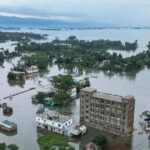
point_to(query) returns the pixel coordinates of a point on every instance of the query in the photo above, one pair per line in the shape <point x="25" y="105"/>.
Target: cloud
<point x="119" y="12"/>
<point x="65" y="18"/>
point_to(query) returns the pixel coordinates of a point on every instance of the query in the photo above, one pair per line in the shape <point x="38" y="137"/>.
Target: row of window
<point x="98" y="113"/>
<point x="109" y="126"/>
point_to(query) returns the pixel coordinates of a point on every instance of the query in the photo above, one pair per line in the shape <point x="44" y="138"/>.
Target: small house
<point x="8" y="126"/>
<point x="32" y="69"/>
<point x="7" y="110"/>
<point x="53" y="121"/>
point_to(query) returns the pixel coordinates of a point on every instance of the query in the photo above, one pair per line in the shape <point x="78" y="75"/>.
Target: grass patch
<point x="49" y="141"/>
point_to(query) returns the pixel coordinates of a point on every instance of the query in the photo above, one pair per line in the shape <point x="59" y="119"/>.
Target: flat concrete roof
<point x="110" y="97"/>
<point x="106" y="96"/>
<point x="88" y="89"/>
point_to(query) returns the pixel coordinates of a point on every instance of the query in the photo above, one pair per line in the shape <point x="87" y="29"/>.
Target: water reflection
<point x="18" y="83"/>
<point x="11" y="134"/>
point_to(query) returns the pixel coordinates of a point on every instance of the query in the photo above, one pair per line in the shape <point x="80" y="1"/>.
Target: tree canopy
<point x="101" y="141"/>
<point x="62" y="82"/>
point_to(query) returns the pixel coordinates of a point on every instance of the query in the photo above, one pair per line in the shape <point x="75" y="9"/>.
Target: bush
<point x="101" y="141"/>
<point x="49" y="140"/>
<point x="40" y="97"/>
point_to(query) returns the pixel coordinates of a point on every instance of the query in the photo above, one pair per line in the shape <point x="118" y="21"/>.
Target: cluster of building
<point x="102" y="111"/>
<point x="62" y="124"/>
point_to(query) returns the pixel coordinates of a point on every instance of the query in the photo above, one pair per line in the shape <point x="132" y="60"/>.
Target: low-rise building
<point x="53" y="121"/>
<point x="8" y="126"/>
<point x="108" y="112"/>
<point x="32" y="69"/>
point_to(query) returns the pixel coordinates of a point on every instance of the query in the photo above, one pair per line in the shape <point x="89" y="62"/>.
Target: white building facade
<point x="54" y="122"/>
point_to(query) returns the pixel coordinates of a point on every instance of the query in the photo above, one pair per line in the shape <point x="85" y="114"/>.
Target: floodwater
<point x="25" y="112"/>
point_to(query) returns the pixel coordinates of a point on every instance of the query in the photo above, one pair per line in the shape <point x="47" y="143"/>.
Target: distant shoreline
<point x="70" y="28"/>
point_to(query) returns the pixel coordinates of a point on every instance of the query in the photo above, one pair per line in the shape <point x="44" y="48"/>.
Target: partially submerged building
<point x="7" y="110"/>
<point x="53" y="121"/>
<point x="8" y="126"/>
<point x="108" y="112"/>
<point x="32" y="69"/>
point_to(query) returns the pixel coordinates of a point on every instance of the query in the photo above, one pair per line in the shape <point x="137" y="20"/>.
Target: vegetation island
<point x="82" y="54"/>
<point x="19" y="36"/>
<point x="3" y="146"/>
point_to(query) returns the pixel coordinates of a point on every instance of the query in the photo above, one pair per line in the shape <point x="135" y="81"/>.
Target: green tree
<point x="12" y="147"/>
<point x="40" y="97"/>
<point x="87" y="82"/>
<point x="40" y="60"/>
<point x="62" y="97"/>
<point x="2" y="146"/>
<point x="62" y="82"/>
<point x="101" y="141"/>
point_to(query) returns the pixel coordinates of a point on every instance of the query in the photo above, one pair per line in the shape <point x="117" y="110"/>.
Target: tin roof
<point x="7" y="124"/>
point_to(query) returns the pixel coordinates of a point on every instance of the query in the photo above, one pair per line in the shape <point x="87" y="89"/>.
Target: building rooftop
<point x="107" y="96"/>
<point x="88" y="89"/>
<point x="55" y="116"/>
<point x="111" y="97"/>
<point x="7" y="124"/>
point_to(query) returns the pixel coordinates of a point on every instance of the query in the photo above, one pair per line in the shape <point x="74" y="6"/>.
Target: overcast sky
<point x="115" y="12"/>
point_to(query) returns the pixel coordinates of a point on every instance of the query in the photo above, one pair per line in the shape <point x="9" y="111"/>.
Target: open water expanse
<point x="25" y="112"/>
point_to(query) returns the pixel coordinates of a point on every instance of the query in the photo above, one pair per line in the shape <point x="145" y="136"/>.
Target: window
<point x="102" y="101"/>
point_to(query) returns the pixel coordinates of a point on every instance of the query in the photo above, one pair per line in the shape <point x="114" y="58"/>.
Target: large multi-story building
<point x="103" y="111"/>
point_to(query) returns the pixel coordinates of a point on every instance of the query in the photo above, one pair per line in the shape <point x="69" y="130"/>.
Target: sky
<point x="113" y="12"/>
